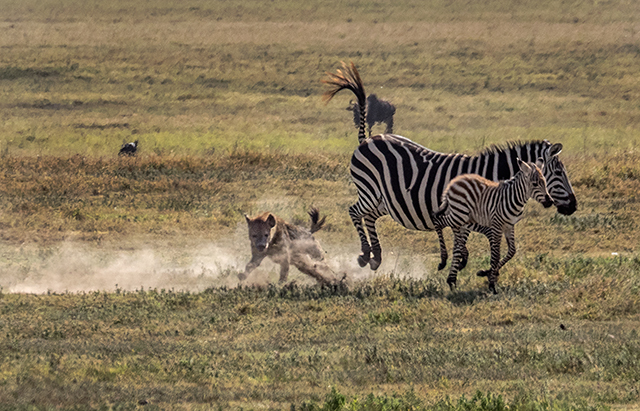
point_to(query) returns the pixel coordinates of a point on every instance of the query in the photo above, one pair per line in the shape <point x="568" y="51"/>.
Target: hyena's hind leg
<point x="317" y="269"/>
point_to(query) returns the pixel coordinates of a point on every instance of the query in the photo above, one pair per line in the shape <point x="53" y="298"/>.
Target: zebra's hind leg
<point x="356" y="217"/>
<point x="370" y="223"/>
<point x="458" y="245"/>
<point x="464" y="251"/>
<point x="443" y="250"/>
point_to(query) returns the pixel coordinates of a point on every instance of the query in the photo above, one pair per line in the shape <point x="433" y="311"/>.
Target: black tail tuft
<point x="348" y="78"/>
<point x="316" y="222"/>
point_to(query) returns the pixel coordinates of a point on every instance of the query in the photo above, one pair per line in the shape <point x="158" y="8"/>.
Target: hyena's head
<point x="260" y="230"/>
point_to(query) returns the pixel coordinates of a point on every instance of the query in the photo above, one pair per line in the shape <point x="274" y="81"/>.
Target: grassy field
<point x="118" y="276"/>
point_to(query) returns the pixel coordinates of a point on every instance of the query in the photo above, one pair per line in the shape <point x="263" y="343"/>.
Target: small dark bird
<point x="128" y="149"/>
<point x="562" y="327"/>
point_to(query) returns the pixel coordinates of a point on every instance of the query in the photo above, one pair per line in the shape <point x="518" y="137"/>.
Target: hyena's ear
<point x="271" y="220"/>
<point x="246" y="217"/>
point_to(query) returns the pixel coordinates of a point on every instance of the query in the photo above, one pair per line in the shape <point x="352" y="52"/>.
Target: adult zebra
<point x="398" y="177"/>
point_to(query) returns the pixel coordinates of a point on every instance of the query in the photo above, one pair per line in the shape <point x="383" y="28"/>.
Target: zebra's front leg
<point x="511" y="244"/>
<point x="356" y="218"/>
<point x="486" y="231"/>
<point x="494" y="241"/>
<point x="370" y="223"/>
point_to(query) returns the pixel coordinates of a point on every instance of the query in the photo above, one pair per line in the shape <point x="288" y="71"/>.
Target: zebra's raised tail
<point x="348" y="78"/>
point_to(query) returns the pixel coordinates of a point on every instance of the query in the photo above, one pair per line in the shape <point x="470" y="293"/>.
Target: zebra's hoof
<point x="452" y="283"/>
<point x="242" y="276"/>
<point x="442" y="265"/>
<point x="483" y="273"/>
<point x="363" y="260"/>
<point x="463" y="263"/>
<point x="374" y="264"/>
<point x="492" y="288"/>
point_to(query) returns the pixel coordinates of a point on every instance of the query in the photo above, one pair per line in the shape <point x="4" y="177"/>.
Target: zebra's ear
<point x="524" y="167"/>
<point x="540" y="163"/>
<point x="555" y="149"/>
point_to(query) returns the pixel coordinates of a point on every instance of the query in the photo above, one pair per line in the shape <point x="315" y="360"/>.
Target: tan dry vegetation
<point x="225" y="100"/>
<point x="497" y="38"/>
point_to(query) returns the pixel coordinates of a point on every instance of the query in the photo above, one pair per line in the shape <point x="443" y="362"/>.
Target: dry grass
<point x="224" y="98"/>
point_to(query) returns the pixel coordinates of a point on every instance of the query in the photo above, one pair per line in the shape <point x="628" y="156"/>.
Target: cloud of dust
<point x="178" y="264"/>
<point x="184" y="264"/>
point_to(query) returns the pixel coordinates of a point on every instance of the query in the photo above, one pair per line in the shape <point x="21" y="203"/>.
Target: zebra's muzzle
<point x="570" y="207"/>
<point x="547" y="202"/>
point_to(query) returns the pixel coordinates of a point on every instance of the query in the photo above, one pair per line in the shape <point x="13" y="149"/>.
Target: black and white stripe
<point x="472" y="199"/>
<point x="398" y="177"/>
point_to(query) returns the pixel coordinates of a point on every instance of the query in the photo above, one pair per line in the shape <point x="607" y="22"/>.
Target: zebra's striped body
<point x="472" y="199"/>
<point x="398" y="177"/>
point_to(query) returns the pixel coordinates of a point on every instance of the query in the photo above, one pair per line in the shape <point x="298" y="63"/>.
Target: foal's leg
<point x="494" y="240"/>
<point x="458" y="245"/>
<point x="511" y="244"/>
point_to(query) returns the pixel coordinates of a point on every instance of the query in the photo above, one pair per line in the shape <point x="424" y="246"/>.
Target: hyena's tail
<point x="316" y="222"/>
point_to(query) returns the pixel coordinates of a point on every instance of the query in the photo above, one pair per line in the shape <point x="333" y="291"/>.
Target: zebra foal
<point x="498" y="206"/>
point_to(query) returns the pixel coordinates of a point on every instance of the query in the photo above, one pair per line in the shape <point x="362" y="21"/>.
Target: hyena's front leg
<point x="284" y="270"/>
<point x="256" y="259"/>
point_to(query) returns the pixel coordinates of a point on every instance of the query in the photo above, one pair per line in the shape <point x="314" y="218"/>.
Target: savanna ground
<point x="119" y="275"/>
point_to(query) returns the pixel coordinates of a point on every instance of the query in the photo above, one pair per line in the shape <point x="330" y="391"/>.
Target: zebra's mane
<point x="501" y="148"/>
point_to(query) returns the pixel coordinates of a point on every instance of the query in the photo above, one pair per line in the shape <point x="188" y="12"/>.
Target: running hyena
<point x="287" y="244"/>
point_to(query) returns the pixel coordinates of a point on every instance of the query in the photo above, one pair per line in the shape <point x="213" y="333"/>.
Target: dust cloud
<point x="182" y="265"/>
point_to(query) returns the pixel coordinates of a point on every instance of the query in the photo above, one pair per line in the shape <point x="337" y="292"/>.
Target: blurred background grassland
<point x="213" y="87"/>
<point x="224" y="98"/>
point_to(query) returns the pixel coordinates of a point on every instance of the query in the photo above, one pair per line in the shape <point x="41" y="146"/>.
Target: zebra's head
<point x="536" y="182"/>
<point x="558" y="181"/>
